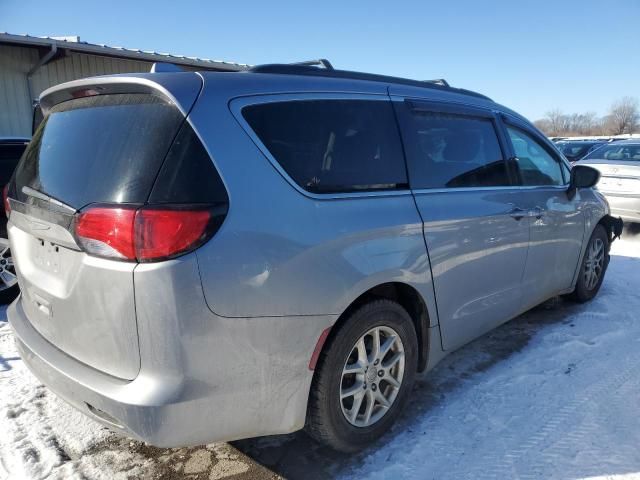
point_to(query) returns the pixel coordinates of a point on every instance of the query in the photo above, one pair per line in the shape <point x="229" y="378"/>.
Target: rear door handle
<point x="518" y="213"/>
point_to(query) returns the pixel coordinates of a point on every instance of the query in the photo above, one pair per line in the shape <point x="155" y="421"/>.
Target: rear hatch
<point x="100" y="143"/>
<point x="619" y="177"/>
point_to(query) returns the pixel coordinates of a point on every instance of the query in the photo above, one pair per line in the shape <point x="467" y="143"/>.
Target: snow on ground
<point x="552" y="394"/>
<point x="43" y="437"/>
<point x="40" y="433"/>
<point x="567" y="405"/>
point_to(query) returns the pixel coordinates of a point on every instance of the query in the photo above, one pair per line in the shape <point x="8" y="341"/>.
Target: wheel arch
<point x="405" y="295"/>
<point x="612" y="225"/>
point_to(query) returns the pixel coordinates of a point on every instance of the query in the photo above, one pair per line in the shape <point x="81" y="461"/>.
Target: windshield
<point x="620" y="152"/>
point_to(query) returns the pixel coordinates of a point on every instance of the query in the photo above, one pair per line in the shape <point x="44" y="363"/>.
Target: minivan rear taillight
<point x="144" y="234"/>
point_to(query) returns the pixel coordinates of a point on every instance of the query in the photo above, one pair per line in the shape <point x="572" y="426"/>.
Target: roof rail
<point x="312" y="63"/>
<point x="308" y="69"/>
<point x="439" y="81"/>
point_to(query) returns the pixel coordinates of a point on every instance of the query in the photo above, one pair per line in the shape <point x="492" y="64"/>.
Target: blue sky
<point x="529" y="55"/>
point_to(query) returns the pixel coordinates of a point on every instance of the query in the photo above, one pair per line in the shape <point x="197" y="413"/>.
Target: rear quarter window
<point x="332" y="146"/>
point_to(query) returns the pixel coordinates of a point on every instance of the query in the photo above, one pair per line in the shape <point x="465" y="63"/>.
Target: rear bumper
<point x="627" y="207"/>
<point x="244" y="377"/>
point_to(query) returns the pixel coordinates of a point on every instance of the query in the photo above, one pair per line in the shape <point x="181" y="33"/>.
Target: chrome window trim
<point x="238" y="103"/>
<point x="489" y="189"/>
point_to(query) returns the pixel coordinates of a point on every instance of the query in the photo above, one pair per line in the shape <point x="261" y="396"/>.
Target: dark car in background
<point x="577" y="149"/>
<point x="11" y="149"/>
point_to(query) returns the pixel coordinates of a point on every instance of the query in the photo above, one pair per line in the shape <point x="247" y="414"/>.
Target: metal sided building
<point x="29" y="65"/>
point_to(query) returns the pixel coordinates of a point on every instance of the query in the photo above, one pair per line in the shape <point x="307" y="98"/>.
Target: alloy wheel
<point x="372" y="376"/>
<point x="594" y="264"/>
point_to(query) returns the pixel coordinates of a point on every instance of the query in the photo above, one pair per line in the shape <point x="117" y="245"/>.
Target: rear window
<point x="105" y="148"/>
<point x="331" y="146"/>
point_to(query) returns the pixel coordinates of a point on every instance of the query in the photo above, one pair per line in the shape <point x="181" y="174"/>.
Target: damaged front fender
<point x="613" y="225"/>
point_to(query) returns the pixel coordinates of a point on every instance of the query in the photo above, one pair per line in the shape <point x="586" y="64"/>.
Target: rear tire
<point x="343" y="415"/>
<point x="594" y="266"/>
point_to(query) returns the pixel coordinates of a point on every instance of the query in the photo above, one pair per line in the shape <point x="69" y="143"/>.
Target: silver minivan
<point x="213" y="256"/>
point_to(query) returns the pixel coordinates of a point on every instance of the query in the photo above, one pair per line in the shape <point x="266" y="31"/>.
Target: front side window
<point x="332" y="146"/>
<point x="537" y="166"/>
<point x="453" y="151"/>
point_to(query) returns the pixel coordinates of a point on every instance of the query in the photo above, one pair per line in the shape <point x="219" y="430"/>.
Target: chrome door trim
<point x="489" y="189"/>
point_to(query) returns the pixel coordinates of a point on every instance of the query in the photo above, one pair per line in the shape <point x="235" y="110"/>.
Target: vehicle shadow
<point x="297" y="456"/>
<point x="4" y="363"/>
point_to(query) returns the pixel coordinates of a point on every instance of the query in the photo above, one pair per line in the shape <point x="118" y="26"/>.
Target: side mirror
<point x="582" y="176"/>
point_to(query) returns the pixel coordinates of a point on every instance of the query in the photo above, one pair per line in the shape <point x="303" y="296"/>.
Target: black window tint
<point x="537" y="166"/>
<point x="332" y="145"/>
<point x="188" y="174"/>
<point x="450" y="150"/>
<point x="105" y="148"/>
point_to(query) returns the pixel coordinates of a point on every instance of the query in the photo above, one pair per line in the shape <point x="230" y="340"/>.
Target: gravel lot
<point x="552" y="394"/>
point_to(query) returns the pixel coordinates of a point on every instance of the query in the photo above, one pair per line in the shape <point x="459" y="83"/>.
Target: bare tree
<point x="544" y="126"/>
<point x="624" y="116"/>
<point x="557" y="121"/>
<point x="582" y="123"/>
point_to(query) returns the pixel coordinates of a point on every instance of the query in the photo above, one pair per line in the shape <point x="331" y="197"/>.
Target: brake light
<point x="107" y="232"/>
<point x="5" y="200"/>
<point x="144" y="234"/>
<point x="165" y="233"/>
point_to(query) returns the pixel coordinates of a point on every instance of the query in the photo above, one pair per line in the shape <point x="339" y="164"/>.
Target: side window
<point x="536" y="165"/>
<point x="449" y="150"/>
<point x="329" y="146"/>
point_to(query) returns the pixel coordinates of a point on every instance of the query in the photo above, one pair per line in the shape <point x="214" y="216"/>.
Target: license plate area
<point x="47" y="256"/>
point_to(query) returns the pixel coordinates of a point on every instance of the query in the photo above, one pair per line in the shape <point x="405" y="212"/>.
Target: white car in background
<point x="619" y="165"/>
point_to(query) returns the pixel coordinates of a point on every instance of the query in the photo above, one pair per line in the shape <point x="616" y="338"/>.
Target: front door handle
<point x="536" y="213"/>
<point x="518" y="213"/>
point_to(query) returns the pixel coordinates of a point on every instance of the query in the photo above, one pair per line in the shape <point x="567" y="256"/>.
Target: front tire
<point x="594" y="266"/>
<point x="364" y="377"/>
